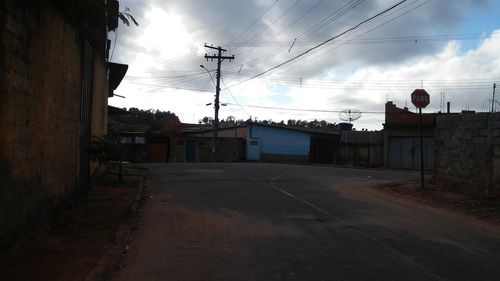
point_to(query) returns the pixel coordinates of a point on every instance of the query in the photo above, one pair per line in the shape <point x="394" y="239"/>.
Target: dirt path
<point x="77" y="240"/>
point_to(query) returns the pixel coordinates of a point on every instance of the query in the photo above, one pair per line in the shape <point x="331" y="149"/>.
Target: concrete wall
<point x="228" y="149"/>
<point x="467" y="152"/>
<point x="363" y="148"/>
<point x="100" y="97"/>
<point x="279" y="141"/>
<point x="40" y="96"/>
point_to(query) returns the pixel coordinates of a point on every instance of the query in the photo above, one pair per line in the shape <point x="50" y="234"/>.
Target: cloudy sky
<point x="451" y="48"/>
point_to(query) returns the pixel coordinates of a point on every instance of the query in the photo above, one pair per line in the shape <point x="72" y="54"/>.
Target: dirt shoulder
<point x="83" y="239"/>
<point x="487" y="209"/>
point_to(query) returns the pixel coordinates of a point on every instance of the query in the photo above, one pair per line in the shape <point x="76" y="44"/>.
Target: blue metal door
<point x="190" y="151"/>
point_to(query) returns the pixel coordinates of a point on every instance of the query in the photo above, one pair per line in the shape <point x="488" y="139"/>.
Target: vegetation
<point x="230" y="121"/>
<point x="140" y="120"/>
<point x="126" y="17"/>
<point x="154" y="118"/>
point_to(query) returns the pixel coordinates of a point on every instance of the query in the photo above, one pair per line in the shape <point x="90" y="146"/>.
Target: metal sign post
<point x="420" y="98"/>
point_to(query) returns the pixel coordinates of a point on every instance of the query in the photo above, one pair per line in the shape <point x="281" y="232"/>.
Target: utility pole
<point x="493" y="100"/>
<point x="219" y="57"/>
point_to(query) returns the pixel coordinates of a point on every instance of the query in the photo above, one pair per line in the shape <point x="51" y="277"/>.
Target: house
<point x="268" y="142"/>
<point x="402" y="138"/>
<point x="196" y="144"/>
<point x="189" y="148"/>
<point x="54" y="91"/>
<point x="238" y="131"/>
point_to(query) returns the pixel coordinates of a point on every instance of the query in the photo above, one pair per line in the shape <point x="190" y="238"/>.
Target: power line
<point x="302" y="109"/>
<point x="299" y="18"/>
<point x="253" y="23"/>
<point x="235" y="100"/>
<point x="334" y="16"/>
<point x="325" y="42"/>
<point x="381" y="40"/>
<point x="169" y="77"/>
<point x="304" y="34"/>
<point x="166" y="86"/>
<point x="314" y="110"/>
<point x="268" y="26"/>
<point x="370" y="30"/>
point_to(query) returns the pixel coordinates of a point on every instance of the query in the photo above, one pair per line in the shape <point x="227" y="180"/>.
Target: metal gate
<point x="190" y="151"/>
<point x="404" y="153"/>
<point x="86" y="112"/>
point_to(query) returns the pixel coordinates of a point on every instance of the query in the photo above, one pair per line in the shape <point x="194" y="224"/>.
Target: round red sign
<point x="420" y="98"/>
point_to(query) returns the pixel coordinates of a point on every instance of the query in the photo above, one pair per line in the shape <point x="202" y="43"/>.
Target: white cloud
<point x="464" y="77"/>
<point x="352" y="76"/>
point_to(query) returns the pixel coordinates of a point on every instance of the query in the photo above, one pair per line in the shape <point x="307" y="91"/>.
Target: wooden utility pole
<point x="219" y="57"/>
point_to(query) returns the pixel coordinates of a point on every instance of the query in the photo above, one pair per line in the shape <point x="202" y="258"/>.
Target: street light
<point x="216" y="107"/>
<point x="202" y="66"/>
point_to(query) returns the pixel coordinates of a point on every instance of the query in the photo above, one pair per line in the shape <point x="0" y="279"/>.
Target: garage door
<point x="404" y="153"/>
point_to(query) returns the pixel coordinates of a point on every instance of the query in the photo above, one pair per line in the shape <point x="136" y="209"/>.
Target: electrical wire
<point x="166" y="86"/>
<point x="168" y="77"/>
<point x="272" y="23"/>
<point x="235" y="100"/>
<point x="370" y="30"/>
<point x="303" y="110"/>
<point x="334" y="16"/>
<point x="114" y="44"/>
<point x="382" y="40"/>
<point x="304" y="34"/>
<point x="325" y="42"/>
<point x="299" y="18"/>
<point x="315" y="110"/>
<point x="253" y="23"/>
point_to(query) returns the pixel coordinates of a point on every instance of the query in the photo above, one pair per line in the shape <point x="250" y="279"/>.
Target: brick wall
<point x="467" y="152"/>
<point x="229" y="149"/>
<point x="40" y="98"/>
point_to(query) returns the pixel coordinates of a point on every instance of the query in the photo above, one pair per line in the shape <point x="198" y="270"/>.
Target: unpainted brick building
<point x="53" y="98"/>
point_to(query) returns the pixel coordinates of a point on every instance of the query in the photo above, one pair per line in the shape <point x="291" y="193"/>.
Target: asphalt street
<point x="255" y="221"/>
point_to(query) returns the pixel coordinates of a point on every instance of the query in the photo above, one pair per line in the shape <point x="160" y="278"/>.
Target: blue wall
<point x="273" y="140"/>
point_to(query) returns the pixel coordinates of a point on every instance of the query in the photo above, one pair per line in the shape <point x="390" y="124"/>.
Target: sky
<point x="308" y="59"/>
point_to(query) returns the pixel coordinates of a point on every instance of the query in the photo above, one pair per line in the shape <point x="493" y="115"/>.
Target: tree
<point x="126" y="17"/>
<point x="206" y="121"/>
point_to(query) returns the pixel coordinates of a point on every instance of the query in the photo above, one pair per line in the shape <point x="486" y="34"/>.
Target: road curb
<point x="114" y="257"/>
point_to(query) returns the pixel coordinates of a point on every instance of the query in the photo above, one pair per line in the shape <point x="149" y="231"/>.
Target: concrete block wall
<point x="40" y="98"/>
<point x="364" y="148"/>
<point x="467" y="152"/>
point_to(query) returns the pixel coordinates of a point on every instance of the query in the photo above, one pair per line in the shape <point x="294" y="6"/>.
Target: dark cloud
<point x="218" y="22"/>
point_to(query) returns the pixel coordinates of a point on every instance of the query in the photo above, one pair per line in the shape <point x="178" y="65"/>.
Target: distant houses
<point x="468" y="147"/>
<point x="251" y="141"/>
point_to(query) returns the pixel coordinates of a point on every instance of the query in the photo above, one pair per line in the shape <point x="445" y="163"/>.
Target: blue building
<point x="276" y="143"/>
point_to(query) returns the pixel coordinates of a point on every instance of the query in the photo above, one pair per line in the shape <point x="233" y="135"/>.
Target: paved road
<point x="257" y="221"/>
